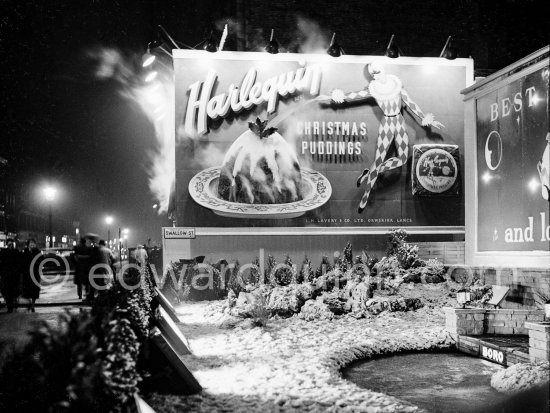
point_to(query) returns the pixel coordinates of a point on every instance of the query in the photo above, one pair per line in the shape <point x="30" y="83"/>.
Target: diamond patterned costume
<point x="389" y="96"/>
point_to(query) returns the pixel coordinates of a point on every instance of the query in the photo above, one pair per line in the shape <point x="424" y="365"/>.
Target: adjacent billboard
<point x="513" y="164"/>
<point x="295" y="140"/>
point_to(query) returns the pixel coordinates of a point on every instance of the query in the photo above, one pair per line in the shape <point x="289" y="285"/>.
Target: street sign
<point x="179" y="233"/>
<point x="493" y="354"/>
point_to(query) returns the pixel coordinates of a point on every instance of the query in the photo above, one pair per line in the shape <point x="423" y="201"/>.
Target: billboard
<point x="513" y="156"/>
<point x="294" y="140"/>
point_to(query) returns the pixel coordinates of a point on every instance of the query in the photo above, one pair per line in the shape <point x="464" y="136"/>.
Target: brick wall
<point x="478" y="321"/>
<point x="467" y="321"/>
<point x="539" y="340"/>
<point x="502" y="321"/>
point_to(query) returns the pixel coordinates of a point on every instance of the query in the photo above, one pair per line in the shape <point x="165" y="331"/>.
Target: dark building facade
<point x="20" y="220"/>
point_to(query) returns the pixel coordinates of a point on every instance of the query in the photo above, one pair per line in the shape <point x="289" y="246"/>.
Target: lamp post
<point x="109" y="221"/>
<point x="49" y="194"/>
<point x="120" y="246"/>
<point x="125" y="236"/>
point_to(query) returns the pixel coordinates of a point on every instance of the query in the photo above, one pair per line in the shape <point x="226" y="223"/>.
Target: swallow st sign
<point x="179" y="233"/>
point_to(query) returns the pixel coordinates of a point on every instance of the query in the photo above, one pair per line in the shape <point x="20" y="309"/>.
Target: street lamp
<point x="109" y="221"/>
<point x="49" y="194"/>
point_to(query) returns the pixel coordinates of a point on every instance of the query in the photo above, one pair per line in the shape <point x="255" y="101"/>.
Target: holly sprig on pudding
<point x="259" y="128"/>
<point x="260" y="167"/>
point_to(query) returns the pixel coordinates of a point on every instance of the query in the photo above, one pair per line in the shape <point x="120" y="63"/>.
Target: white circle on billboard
<point x="436" y="170"/>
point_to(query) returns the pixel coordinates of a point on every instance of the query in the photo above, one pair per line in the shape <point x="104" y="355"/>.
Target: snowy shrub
<point x="285" y="274"/>
<point x="259" y="312"/>
<point x="89" y="361"/>
<point x="387" y="267"/>
<point x="344" y="261"/>
<point x="434" y="267"/>
<point x="324" y="267"/>
<point x="394" y="239"/>
<point x="120" y="360"/>
<point x="407" y="255"/>
<point x="270" y="269"/>
<point x="236" y="281"/>
<point x="521" y="377"/>
<point x="307" y="273"/>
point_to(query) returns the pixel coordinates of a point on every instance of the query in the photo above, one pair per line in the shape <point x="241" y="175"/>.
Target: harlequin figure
<point x="389" y="95"/>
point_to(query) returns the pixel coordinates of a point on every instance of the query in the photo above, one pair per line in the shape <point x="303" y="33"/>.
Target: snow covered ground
<point x="292" y="364"/>
<point x="520" y="377"/>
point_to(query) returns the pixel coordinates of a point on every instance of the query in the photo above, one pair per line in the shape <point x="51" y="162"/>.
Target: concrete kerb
<point x="49" y="303"/>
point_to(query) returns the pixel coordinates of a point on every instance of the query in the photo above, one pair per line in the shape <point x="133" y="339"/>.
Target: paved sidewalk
<point x="54" y="291"/>
<point x="45" y="303"/>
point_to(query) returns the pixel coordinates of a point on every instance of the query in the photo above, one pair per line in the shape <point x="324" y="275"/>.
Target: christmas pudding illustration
<point x="260" y="177"/>
<point x="260" y="167"/>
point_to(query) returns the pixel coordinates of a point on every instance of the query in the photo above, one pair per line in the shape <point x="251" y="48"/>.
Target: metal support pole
<point x="444" y="47"/>
<point x="120" y="250"/>
<point x="50" y="226"/>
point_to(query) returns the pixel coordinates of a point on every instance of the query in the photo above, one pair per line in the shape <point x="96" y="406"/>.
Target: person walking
<point x="82" y="259"/>
<point x="10" y="280"/>
<point x="31" y="258"/>
<point x="102" y="264"/>
<point x="140" y="255"/>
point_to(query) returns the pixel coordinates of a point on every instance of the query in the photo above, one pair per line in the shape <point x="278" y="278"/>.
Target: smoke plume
<point x="156" y="100"/>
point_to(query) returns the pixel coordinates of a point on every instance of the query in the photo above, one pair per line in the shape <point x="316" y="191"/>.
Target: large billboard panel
<point x="295" y="140"/>
<point x="513" y="156"/>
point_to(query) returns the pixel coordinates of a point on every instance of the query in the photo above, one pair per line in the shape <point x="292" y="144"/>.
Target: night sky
<point x="61" y="124"/>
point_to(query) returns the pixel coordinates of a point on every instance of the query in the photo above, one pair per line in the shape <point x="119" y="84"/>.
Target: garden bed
<point x="292" y="363"/>
<point x="282" y="336"/>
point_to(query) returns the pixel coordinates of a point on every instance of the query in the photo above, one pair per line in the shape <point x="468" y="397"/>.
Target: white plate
<point x="203" y="187"/>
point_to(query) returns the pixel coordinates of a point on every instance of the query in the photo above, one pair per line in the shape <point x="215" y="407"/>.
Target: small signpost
<point x="492" y="353"/>
<point x="166" y="305"/>
<point x="167" y="346"/>
<point x="167" y="322"/>
<point x="168" y="371"/>
<point x="499" y="294"/>
<point x="172" y="333"/>
<point x="179" y="233"/>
